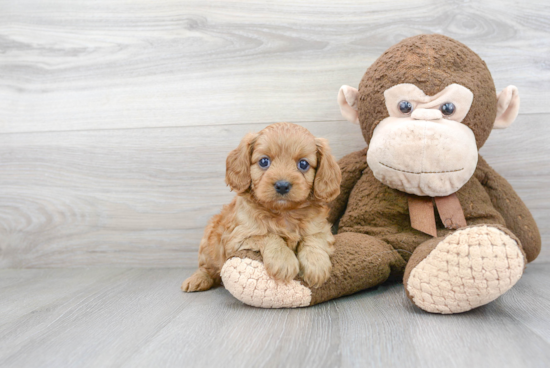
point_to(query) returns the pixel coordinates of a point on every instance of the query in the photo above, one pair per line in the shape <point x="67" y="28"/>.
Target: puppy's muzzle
<point x="282" y="187"/>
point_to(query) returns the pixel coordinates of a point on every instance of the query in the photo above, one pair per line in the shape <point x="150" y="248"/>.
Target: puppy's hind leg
<point x="199" y="281"/>
<point x="211" y="258"/>
<point x="208" y="274"/>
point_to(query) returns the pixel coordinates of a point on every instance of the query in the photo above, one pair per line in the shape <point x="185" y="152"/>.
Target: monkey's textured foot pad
<point x="248" y="281"/>
<point x="467" y="269"/>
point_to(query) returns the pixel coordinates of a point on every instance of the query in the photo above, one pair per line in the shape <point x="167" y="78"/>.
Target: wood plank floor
<point x="128" y="317"/>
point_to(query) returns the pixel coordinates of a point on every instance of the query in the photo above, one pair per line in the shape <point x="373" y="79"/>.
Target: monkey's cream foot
<point x="248" y="281"/>
<point x="467" y="269"/>
<point x="199" y="281"/>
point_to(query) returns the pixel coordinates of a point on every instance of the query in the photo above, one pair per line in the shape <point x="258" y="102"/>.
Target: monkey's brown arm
<point x="352" y="167"/>
<point x="511" y="207"/>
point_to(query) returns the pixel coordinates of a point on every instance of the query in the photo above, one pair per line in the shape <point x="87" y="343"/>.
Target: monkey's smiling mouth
<point x="420" y="172"/>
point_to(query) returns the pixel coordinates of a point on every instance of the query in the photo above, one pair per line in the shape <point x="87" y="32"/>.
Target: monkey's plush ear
<point x="347" y="99"/>
<point x="507" y="107"/>
<point x="237" y="165"/>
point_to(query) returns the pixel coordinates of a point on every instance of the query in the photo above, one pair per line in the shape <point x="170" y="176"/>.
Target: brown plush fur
<point x="290" y="230"/>
<point x="430" y="62"/>
<point x="382" y="212"/>
<point x="366" y="206"/>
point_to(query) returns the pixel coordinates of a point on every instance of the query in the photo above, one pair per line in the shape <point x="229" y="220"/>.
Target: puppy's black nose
<point x="282" y="187"/>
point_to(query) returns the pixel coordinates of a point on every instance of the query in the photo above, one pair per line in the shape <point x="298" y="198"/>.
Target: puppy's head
<point x="283" y="166"/>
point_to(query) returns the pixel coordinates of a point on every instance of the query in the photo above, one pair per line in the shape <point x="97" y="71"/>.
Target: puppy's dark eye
<point x="405" y="107"/>
<point x="264" y="162"/>
<point x="303" y="165"/>
<point x="447" y="108"/>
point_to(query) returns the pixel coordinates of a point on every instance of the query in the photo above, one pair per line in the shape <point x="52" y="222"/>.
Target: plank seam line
<point x="170" y="127"/>
<point x="342" y="121"/>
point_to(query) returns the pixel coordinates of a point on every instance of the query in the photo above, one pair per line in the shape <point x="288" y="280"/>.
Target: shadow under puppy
<point x="283" y="177"/>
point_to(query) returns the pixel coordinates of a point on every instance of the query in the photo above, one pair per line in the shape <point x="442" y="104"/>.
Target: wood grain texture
<point x="116" y="116"/>
<point x="140" y="318"/>
<point x="115" y="64"/>
<point x="142" y="197"/>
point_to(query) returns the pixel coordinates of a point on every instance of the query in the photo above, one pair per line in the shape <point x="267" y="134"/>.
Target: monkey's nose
<point x="282" y="187"/>
<point x="426" y="114"/>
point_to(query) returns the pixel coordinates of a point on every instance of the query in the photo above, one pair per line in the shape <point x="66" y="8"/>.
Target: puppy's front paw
<point x="282" y="266"/>
<point x="199" y="281"/>
<point x="315" y="266"/>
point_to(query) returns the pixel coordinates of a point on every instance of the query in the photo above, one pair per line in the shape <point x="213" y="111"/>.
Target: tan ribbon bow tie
<point x="421" y="211"/>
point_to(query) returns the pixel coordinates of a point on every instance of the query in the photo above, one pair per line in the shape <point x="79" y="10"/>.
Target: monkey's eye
<point x="405" y="107"/>
<point x="264" y="162"/>
<point x="303" y="165"/>
<point x="447" y="108"/>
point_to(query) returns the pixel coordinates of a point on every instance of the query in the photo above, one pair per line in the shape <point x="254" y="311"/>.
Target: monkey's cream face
<point x="423" y="148"/>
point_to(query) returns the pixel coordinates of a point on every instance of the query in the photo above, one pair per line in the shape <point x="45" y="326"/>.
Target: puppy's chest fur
<point x="292" y="226"/>
<point x="289" y="229"/>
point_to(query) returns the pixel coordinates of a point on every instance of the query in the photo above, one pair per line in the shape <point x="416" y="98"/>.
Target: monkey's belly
<point x="377" y="210"/>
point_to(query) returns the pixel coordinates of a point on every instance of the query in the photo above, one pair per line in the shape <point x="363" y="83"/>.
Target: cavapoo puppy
<point x="283" y="177"/>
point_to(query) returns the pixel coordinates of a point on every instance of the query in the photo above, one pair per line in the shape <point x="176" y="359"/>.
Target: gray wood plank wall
<point x="116" y="117"/>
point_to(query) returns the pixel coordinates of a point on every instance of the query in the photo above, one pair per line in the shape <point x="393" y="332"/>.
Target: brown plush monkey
<point x="419" y="203"/>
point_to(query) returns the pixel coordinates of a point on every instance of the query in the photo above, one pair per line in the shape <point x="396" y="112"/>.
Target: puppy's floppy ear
<point x="237" y="165"/>
<point x="326" y="186"/>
